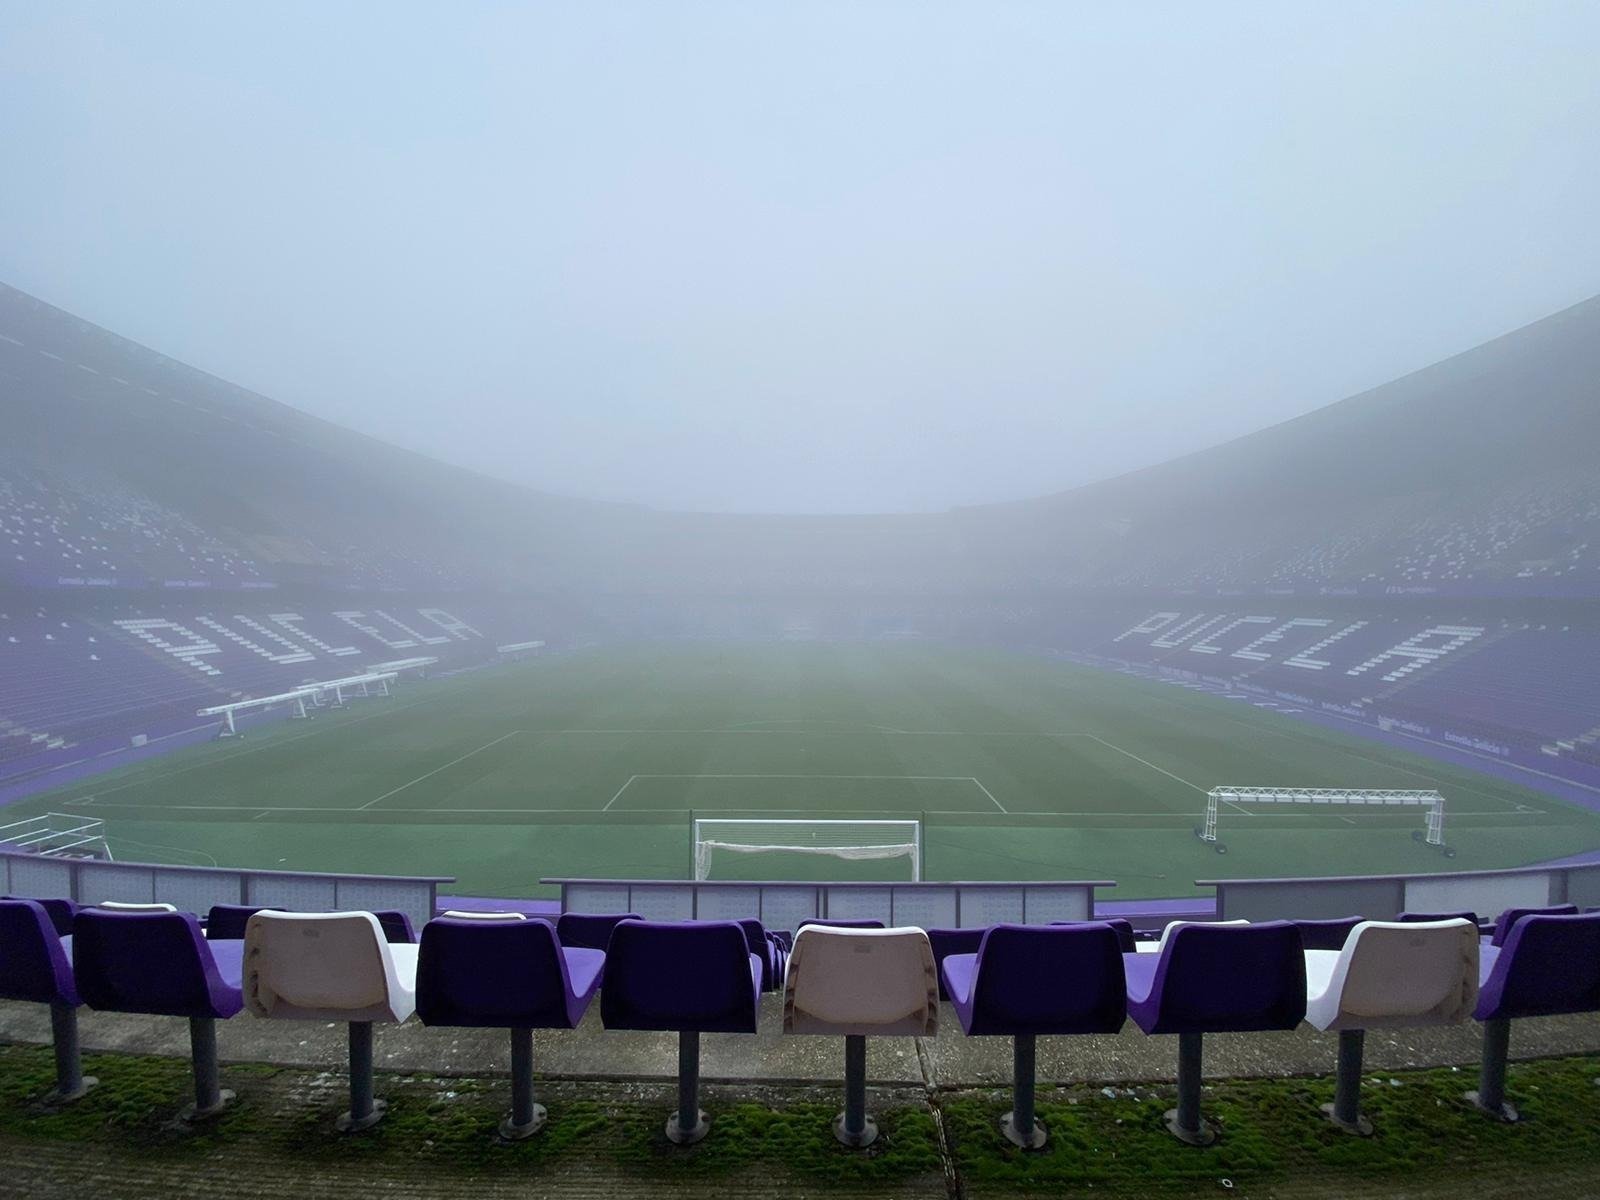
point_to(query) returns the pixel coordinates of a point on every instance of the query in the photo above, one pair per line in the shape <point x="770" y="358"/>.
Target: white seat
<point x="1173" y="926"/>
<point x="456" y="914"/>
<point x="326" y="967"/>
<point x="861" y="982"/>
<point x="1393" y="975"/>
<point x="129" y="907"/>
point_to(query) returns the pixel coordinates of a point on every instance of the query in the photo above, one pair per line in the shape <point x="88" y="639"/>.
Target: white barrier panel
<point x="784" y="905"/>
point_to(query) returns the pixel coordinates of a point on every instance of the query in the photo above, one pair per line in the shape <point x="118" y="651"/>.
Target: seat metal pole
<point x="688" y="1078"/>
<point x="688" y="1125"/>
<point x="1189" y="1070"/>
<point x="1184" y="1122"/>
<point x="360" y="1069"/>
<point x="522" y="1077"/>
<point x="1491" y="1093"/>
<point x="855" y="1084"/>
<point x="1019" y="1125"/>
<point x="1347" y="1081"/>
<point x="364" y="1110"/>
<point x="208" y="1094"/>
<point x="70" y="1080"/>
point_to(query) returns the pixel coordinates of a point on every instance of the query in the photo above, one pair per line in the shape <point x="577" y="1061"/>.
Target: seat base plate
<point x="1203" y="1136"/>
<point x="856" y="1141"/>
<point x="1361" y="1127"/>
<point x="194" y="1112"/>
<point x="679" y="1136"/>
<point x="1506" y="1112"/>
<point x="56" y="1096"/>
<point x="511" y="1132"/>
<point x="1036" y="1139"/>
<point x="348" y="1124"/>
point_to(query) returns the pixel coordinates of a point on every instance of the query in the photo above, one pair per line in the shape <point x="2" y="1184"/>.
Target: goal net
<point x="718" y="838"/>
<point x="1432" y="832"/>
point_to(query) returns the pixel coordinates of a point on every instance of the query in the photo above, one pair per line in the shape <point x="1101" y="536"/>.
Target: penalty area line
<point x="436" y="770"/>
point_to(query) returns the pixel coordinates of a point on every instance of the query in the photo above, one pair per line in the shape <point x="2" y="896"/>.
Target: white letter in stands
<point x="1185" y="630"/>
<point x="1304" y="659"/>
<point x="1417" y="653"/>
<point x="1253" y="650"/>
<point x="1150" y="624"/>
<point x="422" y="637"/>
<point x="193" y="651"/>
<point x="296" y="653"/>
<point x="287" y="620"/>
<point x="1208" y="644"/>
<point x="454" y="626"/>
<point x="354" y="618"/>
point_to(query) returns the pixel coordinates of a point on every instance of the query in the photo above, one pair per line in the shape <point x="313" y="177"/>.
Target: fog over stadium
<point x="555" y="554"/>
<point x="833" y="258"/>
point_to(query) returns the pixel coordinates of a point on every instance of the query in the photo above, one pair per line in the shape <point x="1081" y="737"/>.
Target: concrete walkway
<point x="949" y="1060"/>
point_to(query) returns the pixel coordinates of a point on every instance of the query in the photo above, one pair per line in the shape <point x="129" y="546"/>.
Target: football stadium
<point x="501" y="837"/>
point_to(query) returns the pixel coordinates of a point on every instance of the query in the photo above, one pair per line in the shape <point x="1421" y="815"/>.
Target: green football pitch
<point x="594" y="763"/>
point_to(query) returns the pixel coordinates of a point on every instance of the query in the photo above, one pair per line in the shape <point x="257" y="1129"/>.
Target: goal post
<point x="842" y="840"/>
<point x="1432" y="832"/>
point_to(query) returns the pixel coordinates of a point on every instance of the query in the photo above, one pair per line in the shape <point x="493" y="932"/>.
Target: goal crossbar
<point x="1375" y="797"/>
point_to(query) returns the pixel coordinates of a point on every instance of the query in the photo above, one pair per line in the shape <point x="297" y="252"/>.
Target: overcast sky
<point x="803" y="257"/>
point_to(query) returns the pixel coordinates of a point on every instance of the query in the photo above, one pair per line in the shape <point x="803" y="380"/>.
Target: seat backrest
<point x="861" y="981"/>
<point x="1407" y="973"/>
<point x="148" y="962"/>
<point x="132" y="906"/>
<point x="461" y="914"/>
<point x="1221" y="977"/>
<point x="1327" y="934"/>
<point x="590" y="931"/>
<point x="841" y="923"/>
<point x="226" y="922"/>
<point x="308" y="964"/>
<point x="1502" y="926"/>
<point x="691" y="975"/>
<point x="1549" y="965"/>
<point x="1466" y="914"/>
<point x="1050" y="979"/>
<point x="59" y="909"/>
<point x="33" y="963"/>
<point x="501" y="973"/>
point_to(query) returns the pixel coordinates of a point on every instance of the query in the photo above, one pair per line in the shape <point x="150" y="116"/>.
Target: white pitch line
<point x="989" y="794"/>
<point x="1145" y="761"/>
<point x="619" y="792"/>
<point x="436" y="770"/>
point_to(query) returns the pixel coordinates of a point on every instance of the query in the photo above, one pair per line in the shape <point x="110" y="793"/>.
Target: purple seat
<point x="1548" y="965"/>
<point x="36" y="965"/>
<point x="1215" y="979"/>
<point x="226" y="922"/>
<point x="512" y="974"/>
<point x="589" y="931"/>
<point x="59" y="910"/>
<point x="1464" y="915"/>
<point x="1327" y="935"/>
<point x="161" y="963"/>
<point x="1031" y="979"/>
<point x="1502" y="925"/>
<point x="946" y="942"/>
<point x="396" y="926"/>
<point x="690" y="978"/>
<point x="762" y="943"/>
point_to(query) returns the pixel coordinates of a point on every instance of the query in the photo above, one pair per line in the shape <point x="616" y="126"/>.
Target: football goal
<point x="1432" y="832"/>
<point x="784" y="839"/>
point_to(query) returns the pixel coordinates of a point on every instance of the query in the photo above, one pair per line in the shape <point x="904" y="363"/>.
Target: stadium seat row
<point x="841" y="979"/>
